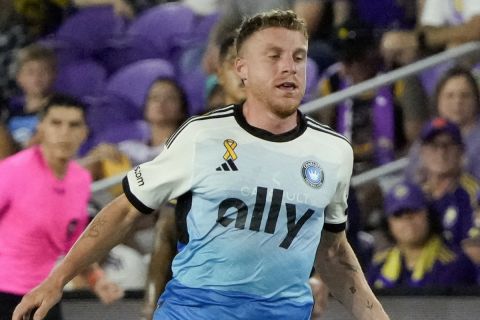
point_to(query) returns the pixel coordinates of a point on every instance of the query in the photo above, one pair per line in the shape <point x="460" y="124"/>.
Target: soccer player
<point x="256" y="183"/>
<point x="43" y="207"/>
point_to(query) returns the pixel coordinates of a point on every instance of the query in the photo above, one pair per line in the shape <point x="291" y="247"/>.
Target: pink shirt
<point x="40" y="217"/>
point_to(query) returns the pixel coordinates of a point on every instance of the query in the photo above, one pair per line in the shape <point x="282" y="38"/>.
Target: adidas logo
<point x="229" y="165"/>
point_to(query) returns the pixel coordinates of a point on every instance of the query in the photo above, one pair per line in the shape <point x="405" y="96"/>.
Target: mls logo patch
<point x="312" y="174"/>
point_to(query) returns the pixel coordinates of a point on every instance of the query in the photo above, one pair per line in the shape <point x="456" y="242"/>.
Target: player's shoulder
<point x="322" y="129"/>
<point x="200" y="122"/>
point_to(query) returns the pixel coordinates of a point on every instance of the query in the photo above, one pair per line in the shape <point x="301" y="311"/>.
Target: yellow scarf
<point x="434" y="250"/>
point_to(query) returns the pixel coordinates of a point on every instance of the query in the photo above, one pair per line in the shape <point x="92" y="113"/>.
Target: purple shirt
<point x="455" y="210"/>
<point x="443" y="267"/>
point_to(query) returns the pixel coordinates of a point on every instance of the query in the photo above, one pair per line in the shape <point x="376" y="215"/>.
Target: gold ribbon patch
<point x="230" y="145"/>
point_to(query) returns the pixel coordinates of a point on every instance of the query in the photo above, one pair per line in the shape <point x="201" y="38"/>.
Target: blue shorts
<point x="183" y="303"/>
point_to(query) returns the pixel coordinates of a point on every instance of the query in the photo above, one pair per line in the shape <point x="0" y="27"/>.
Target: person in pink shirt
<point x="43" y="207"/>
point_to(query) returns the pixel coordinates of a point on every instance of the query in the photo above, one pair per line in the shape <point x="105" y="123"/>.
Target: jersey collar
<point x="266" y="135"/>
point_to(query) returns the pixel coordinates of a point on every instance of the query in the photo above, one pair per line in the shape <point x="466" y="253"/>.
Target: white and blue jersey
<point x="253" y="205"/>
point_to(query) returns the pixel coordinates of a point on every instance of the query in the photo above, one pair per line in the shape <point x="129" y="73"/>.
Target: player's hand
<point x="38" y="302"/>
<point x="107" y="291"/>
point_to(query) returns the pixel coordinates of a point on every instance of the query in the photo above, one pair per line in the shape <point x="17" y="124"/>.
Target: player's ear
<point x="241" y="68"/>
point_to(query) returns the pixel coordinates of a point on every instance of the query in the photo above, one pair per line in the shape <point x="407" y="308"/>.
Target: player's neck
<point x="258" y="115"/>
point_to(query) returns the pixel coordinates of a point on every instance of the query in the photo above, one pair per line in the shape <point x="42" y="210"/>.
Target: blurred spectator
<point x="165" y="109"/>
<point x="232" y="13"/>
<point x="322" y="18"/>
<point x="471" y="245"/>
<point x="42" y="17"/>
<point x="419" y="258"/>
<point x="372" y="121"/>
<point x="228" y="79"/>
<point x="457" y="99"/>
<point x="40" y="220"/>
<point x="35" y="74"/>
<point x="6" y="144"/>
<point x="13" y="36"/>
<point x="215" y="95"/>
<point x="443" y="23"/>
<point x="450" y="190"/>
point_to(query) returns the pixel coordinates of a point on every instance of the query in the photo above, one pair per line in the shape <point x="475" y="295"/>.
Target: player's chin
<point x="286" y="108"/>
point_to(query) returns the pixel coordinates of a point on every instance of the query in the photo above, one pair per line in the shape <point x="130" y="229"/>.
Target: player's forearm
<point x="106" y="230"/>
<point x="159" y="271"/>
<point x="339" y="268"/>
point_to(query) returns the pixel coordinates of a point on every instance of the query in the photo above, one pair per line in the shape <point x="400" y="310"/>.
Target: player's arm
<point x="339" y="268"/>
<point x="106" y="230"/>
<point x="159" y="270"/>
<point x="335" y="260"/>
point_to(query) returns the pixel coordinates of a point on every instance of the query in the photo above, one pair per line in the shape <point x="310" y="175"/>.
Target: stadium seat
<point x="105" y="111"/>
<point x="91" y="29"/>
<point x="169" y="28"/>
<point x="132" y="83"/>
<point x="121" y="131"/>
<point x="81" y="78"/>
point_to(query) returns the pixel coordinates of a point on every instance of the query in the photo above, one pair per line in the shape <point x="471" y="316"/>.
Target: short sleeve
<point x="335" y="213"/>
<point x="169" y="175"/>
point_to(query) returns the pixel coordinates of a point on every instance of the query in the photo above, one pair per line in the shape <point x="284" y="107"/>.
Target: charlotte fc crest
<point x="312" y="174"/>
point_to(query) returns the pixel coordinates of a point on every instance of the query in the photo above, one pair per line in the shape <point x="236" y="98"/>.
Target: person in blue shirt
<point x="419" y="257"/>
<point x="35" y="76"/>
<point x="262" y="189"/>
